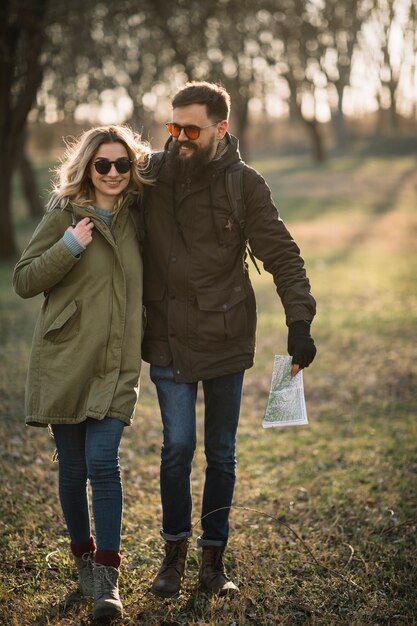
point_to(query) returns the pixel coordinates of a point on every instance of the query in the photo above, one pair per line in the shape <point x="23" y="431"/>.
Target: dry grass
<point x="324" y="529"/>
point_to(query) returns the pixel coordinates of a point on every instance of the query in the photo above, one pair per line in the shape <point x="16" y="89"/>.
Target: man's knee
<point x="177" y="452"/>
<point x="221" y="457"/>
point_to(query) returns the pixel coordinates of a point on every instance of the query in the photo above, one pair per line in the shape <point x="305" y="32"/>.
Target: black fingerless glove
<point x="300" y="343"/>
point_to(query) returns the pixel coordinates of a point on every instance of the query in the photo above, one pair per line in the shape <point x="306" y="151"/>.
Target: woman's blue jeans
<point x="90" y="450"/>
<point x="177" y="401"/>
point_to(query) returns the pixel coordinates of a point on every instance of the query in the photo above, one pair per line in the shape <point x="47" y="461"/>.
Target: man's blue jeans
<point x="91" y="450"/>
<point x="177" y="401"/>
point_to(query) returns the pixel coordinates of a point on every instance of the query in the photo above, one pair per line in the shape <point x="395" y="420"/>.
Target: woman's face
<point x="108" y="186"/>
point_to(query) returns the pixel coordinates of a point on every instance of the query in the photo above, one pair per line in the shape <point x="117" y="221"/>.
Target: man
<point x="201" y="317"/>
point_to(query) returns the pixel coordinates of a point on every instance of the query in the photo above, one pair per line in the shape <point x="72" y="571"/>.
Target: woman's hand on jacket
<point x="82" y="231"/>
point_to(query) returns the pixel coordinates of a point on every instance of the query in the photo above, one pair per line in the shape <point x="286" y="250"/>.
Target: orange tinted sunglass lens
<point x="192" y="132"/>
<point x="174" y="130"/>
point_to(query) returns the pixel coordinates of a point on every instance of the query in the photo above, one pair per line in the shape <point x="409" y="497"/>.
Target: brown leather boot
<point x="212" y="576"/>
<point x="167" y="583"/>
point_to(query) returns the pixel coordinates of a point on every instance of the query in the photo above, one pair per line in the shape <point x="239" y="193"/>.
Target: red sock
<point x="108" y="557"/>
<point x="78" y="549"/>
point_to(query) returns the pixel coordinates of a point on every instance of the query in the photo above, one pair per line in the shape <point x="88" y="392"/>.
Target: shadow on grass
<point x="387" y="147"/>
<point x="170" y="612"/>
<point x="65" y="607"/>
<point x="378" y="211"/>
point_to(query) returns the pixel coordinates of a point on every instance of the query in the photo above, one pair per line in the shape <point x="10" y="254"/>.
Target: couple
<point x="111" y="196"/>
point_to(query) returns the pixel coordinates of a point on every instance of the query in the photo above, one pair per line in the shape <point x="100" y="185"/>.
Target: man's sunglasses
<point x="191" y="132"/>
<point x="103" y="166"/>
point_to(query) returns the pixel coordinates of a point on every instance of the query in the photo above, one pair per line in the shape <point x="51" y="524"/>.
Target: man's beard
<point x="190" y="166"/>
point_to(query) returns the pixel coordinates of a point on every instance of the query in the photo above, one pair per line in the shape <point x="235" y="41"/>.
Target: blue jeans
<point x="91" y="450"/>
<point x="177" y="401"/>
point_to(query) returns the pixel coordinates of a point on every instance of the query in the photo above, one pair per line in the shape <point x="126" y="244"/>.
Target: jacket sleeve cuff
<point x="299" y="315"/>
<point x="72" y="244"/>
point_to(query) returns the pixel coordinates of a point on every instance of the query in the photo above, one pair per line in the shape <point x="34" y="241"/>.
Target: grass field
<point x="324" y="525"/>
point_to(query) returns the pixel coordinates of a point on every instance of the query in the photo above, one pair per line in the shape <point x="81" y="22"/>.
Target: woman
<point x="85" y="360"/>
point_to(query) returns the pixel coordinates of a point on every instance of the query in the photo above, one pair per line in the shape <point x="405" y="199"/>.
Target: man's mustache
<point x="186" y="144"/>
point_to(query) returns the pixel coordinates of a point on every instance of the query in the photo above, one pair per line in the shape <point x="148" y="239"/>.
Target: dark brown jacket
<point x="200" y="305"/>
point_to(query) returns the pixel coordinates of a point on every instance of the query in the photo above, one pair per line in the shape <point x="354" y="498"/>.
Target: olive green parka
<point x="86" y="357"/>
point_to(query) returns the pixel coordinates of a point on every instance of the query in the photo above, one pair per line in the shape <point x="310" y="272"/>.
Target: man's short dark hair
<point x="213" y="95"/>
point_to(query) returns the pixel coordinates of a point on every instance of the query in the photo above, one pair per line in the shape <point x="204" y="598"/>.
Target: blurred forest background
<point x="311" y="75"/>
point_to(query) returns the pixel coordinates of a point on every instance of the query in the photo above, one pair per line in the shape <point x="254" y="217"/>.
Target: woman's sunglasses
<point x="191" y="132"/>
<point x="103" y="166"/>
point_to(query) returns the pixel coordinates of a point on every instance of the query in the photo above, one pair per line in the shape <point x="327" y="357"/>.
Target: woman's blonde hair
<point x="73" y="179"/>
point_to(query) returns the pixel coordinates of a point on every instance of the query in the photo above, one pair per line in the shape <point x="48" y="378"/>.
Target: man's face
<point x="192" y="155"/>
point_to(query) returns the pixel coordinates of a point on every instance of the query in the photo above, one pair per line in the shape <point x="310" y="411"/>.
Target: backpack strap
<point x="236" y="197"/>
<point x="234" y="190"/>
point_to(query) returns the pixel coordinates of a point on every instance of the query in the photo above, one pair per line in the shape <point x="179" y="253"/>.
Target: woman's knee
<point x="100" y="463"/>
<point x="102" y="447"/>
<point x="71" y="474"/>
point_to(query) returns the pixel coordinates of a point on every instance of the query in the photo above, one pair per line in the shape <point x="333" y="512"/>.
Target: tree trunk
<point x="393" y="115"/>
<point x="339" y="127"/>
<point x="22" y="33"/>
<point x="8" y="248"/>
<point x="293" y="109"/>
<point x="338" y="119"/>
<point x="312" y="126"/>
<point x="29" y="183"/>
<point x="315" y="139"/>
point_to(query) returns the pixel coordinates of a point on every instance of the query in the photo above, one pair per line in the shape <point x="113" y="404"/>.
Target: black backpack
<point x="236" y="197"/>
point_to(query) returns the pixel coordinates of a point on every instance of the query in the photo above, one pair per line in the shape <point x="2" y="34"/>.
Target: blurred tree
<point x="234" y="54"/>
<point x="22" y="38"/>
<point x="411" y="47"/>
<point x="110" y="51"/>
<point x="393" y="22"/>
<point x="295" y="54"/>
<point x="384" y="13"/>
<point x="340" y="23"/>
<point x="31" y="33"/>
<point x="29" y="183"/>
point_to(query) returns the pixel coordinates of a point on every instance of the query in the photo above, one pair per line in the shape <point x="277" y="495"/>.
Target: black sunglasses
<point x="191" y="131"/>
<point x="103" y="166"/>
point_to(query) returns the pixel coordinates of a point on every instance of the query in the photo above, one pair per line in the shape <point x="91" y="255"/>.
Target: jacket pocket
<point x="65" y="326"/>
<point x="221" y="316"/>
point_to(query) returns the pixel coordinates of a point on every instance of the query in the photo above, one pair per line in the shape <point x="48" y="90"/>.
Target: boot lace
<point x="172" y="553"/>
<point x="214" y="559"/>
<point x="218" y="563"/>
<point x="84" y="565"/>
<point x="106" y="581"/>
<point x="87" y="557"/>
